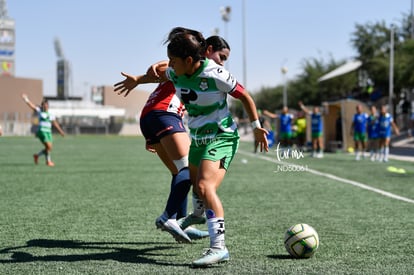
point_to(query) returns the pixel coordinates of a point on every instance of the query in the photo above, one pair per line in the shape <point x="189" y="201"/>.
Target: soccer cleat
<point x="172" y="227"/>
<point x="212" y="256"/>
<point x="190" y="220"/>
<point x="36" y="159"/>
<point x="196" y="234"/>
<point x="49" y="163"/>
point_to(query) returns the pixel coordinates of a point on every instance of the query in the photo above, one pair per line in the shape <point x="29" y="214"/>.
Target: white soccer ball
<point x="301" y="240"/>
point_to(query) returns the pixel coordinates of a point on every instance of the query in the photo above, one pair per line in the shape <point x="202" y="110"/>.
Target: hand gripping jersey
<point x="45" y="121"/>
<point x="204" y="95"/>
<point x="163" y="98"/>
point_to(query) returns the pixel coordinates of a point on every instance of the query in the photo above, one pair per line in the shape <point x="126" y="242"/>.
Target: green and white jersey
<point x="205" y="97"/>
<point x="45" y="121"/>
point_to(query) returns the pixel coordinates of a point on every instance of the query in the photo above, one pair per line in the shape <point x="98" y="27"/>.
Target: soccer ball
<point x="301" y="240"/>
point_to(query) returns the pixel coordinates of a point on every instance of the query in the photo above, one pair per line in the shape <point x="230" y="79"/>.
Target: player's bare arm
<point x="131" y="81"/>
<point x="158" y="69"/>
<point x="395" y="128"/>
<point x="270" y="114"/>
<point x="57" y="126"/>
<point x="259" y="132"/>
<point x="28" y="102"/>
<point x="306" y="110"/>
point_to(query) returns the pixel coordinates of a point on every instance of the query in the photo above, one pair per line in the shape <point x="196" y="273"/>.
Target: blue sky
<point x="101" y="38"/>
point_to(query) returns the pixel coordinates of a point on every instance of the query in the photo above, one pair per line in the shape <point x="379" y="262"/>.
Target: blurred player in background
<point x="285" y="129"/>
<point x="44" y="131"/>
<point x="386" y="125"/>
<point x="317" y="130"/>
<point x="300" y="124"/>
<point x="372" y="130"/>
<point x="359" y="131"/>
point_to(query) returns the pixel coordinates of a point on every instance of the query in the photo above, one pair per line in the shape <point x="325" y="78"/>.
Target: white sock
<point x="382" y="153"/>
<point x="198" y="206"/>
<point x="216" y="230"/>
<point x="386" y="152"/>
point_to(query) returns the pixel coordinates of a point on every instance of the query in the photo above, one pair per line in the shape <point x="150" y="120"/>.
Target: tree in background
<point x="371" y="42"/>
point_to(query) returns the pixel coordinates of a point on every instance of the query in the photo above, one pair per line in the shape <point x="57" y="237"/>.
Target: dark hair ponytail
<point x="183" y="42"/>
<point x="217" y="42"/>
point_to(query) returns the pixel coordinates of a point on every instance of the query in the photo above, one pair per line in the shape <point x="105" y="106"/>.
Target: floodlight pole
<point x="244" y="43"/>
<point x="225" y="16"/>
<point x="412" y="19"/>
<point x="284" y="71"/>
<point x="391" y="73"/>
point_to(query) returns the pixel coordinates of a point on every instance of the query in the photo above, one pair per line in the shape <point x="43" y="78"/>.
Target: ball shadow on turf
<point x="284" y="257"/>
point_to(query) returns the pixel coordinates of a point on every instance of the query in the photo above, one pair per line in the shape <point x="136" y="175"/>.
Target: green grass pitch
<point x="94" y="212"/>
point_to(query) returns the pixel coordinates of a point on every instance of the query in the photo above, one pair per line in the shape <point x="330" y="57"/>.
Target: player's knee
<point x="201" y="189"/>
<point x="205" y="189"/>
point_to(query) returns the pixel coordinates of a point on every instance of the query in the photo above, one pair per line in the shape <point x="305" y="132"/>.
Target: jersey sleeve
<point x="237" y="91"/>
<point x="225" y="81"/>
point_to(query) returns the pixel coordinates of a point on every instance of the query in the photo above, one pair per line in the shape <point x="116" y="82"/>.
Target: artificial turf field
<point x="94" y="212"/>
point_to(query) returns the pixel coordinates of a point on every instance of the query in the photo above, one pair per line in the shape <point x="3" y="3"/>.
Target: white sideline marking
<point x="330" y="176"/>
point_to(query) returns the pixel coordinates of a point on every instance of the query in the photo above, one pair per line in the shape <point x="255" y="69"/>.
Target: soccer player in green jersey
<point x="44" y="131"/>
<point x="203" y="86"/>
<point x="162" y="126"/>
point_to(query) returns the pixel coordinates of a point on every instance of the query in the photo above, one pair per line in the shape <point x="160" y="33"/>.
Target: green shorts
<point x="301" y="135"/>
<point x="285" y="135"/>
<point x="316" y="134"/>
<point x="44" y="136"/>
<point x="222" y="148"/>
<point x="358" y="136"/>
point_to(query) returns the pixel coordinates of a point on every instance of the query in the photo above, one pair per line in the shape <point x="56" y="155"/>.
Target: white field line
<point x="330" y="176"/>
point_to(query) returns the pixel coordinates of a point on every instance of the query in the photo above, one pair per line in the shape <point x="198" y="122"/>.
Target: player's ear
<point x="189" y="60"/>
<point x="209" y="50"/>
